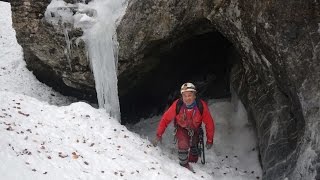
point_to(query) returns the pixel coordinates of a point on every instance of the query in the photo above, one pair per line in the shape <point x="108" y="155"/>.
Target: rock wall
<point x="47" y="53"/>
<point x="277" y="80"/>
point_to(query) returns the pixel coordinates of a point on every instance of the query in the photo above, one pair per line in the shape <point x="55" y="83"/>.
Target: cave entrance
<point x="206" y="60"/>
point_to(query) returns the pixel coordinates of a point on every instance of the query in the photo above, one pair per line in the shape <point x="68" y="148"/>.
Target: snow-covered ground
<point x="40" y="140"/>
<point x="14" y="77"/>
<point x="234" y="154"/>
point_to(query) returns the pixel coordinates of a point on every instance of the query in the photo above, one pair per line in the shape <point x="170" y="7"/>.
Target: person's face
<point x="188" y="97"/>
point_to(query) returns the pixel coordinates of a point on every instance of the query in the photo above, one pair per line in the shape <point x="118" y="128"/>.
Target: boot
<point x="189" y="167"/>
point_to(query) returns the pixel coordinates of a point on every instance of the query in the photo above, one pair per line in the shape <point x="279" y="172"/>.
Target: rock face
<point x="269" y="50"/>
<point x="47" y="53"/>
<point x="277" y="78"/>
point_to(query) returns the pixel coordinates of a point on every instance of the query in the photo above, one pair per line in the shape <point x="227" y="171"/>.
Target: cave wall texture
<point x="277" y="77"/>
<point x="46" y="52"/>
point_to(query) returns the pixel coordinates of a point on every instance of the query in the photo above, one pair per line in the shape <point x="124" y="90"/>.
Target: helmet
<point x="188" y="87"/>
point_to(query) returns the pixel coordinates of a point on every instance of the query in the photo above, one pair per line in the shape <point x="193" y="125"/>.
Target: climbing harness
<point x="191" y="133"/>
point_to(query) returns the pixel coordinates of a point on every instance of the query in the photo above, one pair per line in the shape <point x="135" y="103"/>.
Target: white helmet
<point x="188" y="87"/>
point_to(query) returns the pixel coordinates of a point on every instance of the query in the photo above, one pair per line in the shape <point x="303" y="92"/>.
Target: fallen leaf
<point x="125" y="136"/>
<point x="62" y="156"/>
<point x="9" y="128"/>
<point x="23" y="113"/>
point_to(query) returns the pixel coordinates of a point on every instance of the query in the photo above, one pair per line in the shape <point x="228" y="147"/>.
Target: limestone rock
<point x="55" y="54"/>
<point x="278" y="77"/>
<point x="272" y="47"/>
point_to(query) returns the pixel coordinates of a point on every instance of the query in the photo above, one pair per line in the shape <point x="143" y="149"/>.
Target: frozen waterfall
<point x="98" y="20"/>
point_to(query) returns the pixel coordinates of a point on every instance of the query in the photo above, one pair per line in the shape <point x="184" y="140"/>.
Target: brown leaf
<point x="23" y="113"/>
<point x="62" y="156"/>
<point x="9" y="128"/>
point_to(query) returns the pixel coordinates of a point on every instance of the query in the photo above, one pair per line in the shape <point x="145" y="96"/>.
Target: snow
<point x="234" y="154"/>
<point x="44" y="136"/>
<point x="14" y="77"/>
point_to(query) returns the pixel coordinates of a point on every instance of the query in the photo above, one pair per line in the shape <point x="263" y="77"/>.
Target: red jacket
<point x="206" y="118"/>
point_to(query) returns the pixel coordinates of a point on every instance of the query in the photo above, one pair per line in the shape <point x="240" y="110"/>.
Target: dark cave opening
<point x="205" y="60"/>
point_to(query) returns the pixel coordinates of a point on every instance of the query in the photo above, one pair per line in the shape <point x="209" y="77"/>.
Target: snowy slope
<point x="14" y="76"/>
<point x="234" y="154"/>
<point x="40" y="140"/>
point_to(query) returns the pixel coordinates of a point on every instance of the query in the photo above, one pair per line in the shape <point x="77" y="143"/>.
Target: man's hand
<point x="209" y="145"/>
<point x="156" y="141"/>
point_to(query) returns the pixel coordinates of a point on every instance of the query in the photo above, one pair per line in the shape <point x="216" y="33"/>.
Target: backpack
<point x="198" y="103"/>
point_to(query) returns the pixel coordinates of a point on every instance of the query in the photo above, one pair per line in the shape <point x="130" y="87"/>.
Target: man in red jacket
<point x="188" y="120"/>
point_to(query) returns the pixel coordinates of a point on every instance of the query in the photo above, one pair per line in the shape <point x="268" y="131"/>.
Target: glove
<point x="156" y="141"/>
<point x="209" y="145"/>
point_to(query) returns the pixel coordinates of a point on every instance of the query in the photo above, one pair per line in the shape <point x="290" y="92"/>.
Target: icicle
<point x="98" y="21"/>
<point x="67" y="51"/>
<point x="103" y="51"/>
